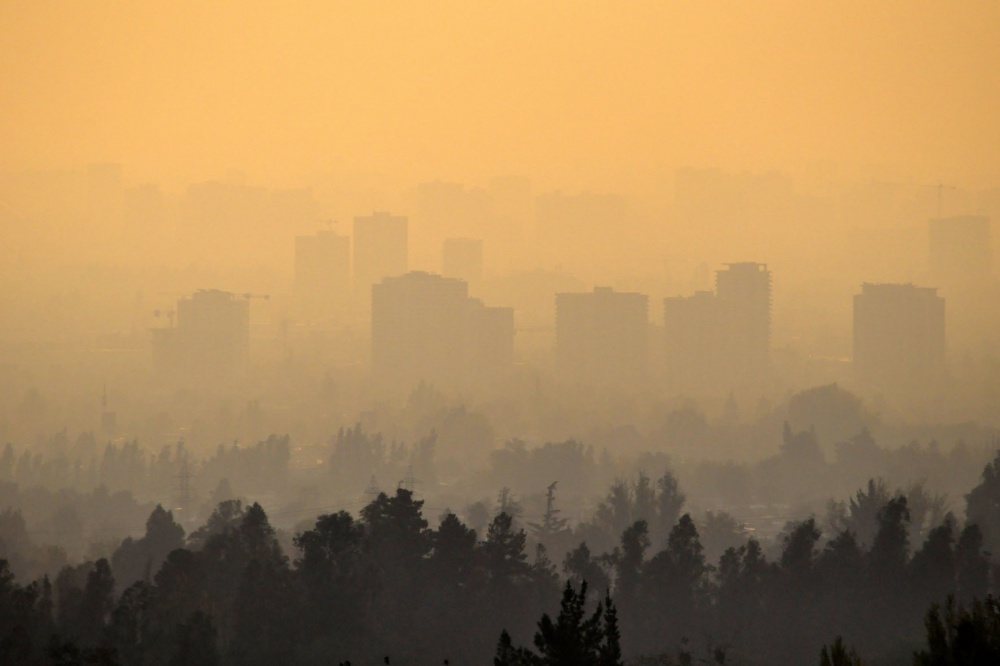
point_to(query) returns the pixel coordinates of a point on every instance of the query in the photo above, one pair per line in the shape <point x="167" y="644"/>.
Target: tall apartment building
<point x="602" y="336"/>
<point x="692" y="329"/>
<point x="322" y="277"/>
<point x="209" y="343"/>
<point x="425" y="328"/>
<point x="899" y="337"/>
<point x="720" y="341"/>
<point x="744" y="294"/>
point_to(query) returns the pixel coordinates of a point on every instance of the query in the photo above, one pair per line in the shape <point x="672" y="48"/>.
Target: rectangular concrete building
<point x="899" y="337"/>
<point x="602" y="336"/>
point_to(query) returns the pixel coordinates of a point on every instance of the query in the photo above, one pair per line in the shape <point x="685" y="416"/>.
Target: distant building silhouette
<point x="381" y="250"/>
<point x="322" y="277"/>
<point x="462" y="258"/>
<point x="744" y="294"/>
<point x="210" y="341"/>
<point x="426" y="328"/>
<point x="717" y="341"/>
<point x="602" y="336"/>
<point x="693" y="330"/>
<point x="899" y="337"/>
<point x="960" y="249"/>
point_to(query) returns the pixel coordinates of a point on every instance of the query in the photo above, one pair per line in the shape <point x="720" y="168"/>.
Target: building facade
<point x="209" y="344"/>
<point x="899" y="338"/>
<point x="426" y="328"/>
<point x="720" y="341"/>
<point x="322" y="277"/>
<point x="602" y="337"/>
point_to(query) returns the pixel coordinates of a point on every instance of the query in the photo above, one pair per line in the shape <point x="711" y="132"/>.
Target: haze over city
<point x="365" y="333"/>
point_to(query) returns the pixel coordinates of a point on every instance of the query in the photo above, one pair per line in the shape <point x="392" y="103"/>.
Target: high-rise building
<point x="209" y="343"/>
<point x="381" y="250"/>
<point x="899" y="337"/>
<point x="426" y="328"/>
<point x="488" y="347"/>
<point x="744" y="294"/>
<point x="462" y="258"/>
<point x="602" y="336"/>
<point x="960" y="250"/>
<point x="693" y="332"/>
<point x="322" y="277"/>
<point x="720" y="341"/>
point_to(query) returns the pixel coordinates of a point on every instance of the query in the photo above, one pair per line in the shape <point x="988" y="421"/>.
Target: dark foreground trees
<point x="958" y="636"/>
<point x="575" y="638"/>
<point x="387" y="583"/>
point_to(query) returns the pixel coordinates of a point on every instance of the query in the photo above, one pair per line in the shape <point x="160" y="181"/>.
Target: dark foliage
<point x="386" y="583"/>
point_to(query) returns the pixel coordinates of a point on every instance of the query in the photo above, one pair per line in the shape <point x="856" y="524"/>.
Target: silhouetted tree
<point x="139" y="559"/>
<point x="574" y="638"/>
<point x="860" y="515"/>
<point x="669" y="503"/>
<point x="552" y="526"/>
<point x="838" y="654"/>
<point x="890" y="548"/>
<point x="580" y="568"/>
<point x="508" y="655"/>
<point x="130" y="627"/>
<point x="932" y="569"/>
<point x="959" y="636"/>
<point x="196" y="642"/>
<point x="504" y="549"/>
<point x="672" y="589"/>
<point x="800" y="548"/>
<point x="972" y="565"/>
<point x="337" y="581"/>
<point x="982" y="505"/>
<point x="225" y="518"/>
<point x="264" y="632"/>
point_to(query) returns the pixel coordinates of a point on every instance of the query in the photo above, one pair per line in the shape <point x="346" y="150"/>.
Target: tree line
<point x="385" y="585"/>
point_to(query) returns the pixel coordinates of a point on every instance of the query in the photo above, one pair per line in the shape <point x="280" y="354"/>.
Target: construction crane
<point x="248" y="296"/>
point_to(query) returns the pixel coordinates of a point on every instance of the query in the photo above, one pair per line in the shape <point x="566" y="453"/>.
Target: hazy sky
<point x="581" y="93"/>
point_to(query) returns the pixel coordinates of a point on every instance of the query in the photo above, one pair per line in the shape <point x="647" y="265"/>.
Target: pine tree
<point x="551" y="525"/>
<point x="610" y="652"/>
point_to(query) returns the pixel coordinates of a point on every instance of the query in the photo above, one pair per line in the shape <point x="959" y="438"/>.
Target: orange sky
<point x="586" y="94"/>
